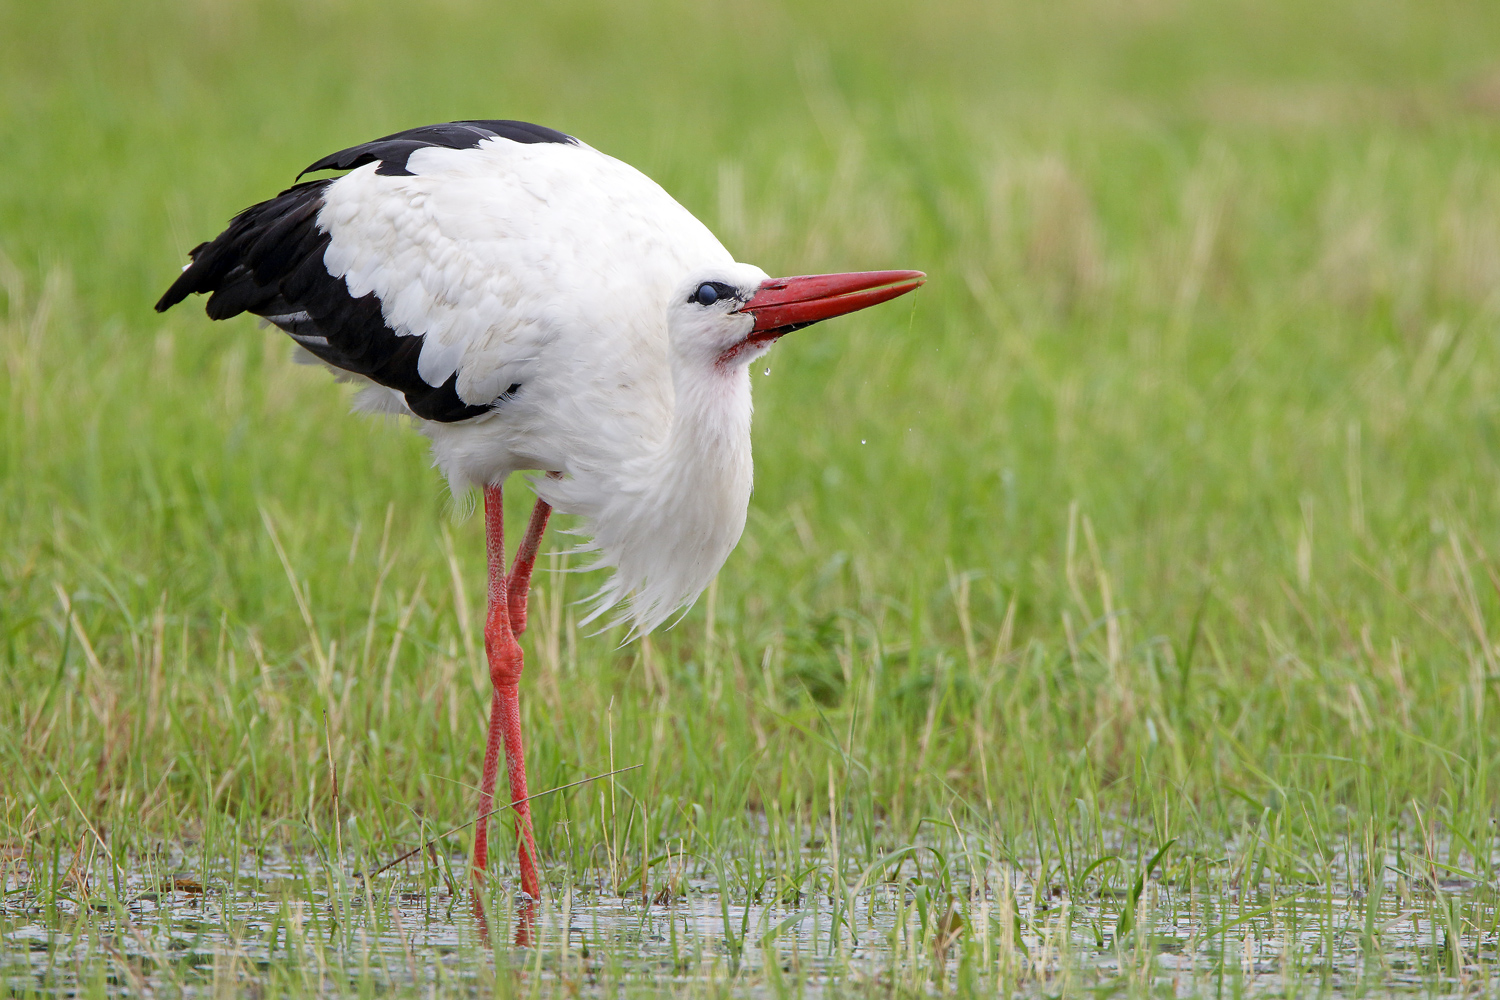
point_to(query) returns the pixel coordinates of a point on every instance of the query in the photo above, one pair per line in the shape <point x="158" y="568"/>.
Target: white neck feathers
<point x="666" y="520"/>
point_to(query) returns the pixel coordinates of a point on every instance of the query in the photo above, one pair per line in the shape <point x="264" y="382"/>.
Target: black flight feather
<point x="269" y="262"/>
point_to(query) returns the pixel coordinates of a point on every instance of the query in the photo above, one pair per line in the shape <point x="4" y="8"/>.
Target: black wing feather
<point x="269" y="262"/>
<point x="392" y="151"/>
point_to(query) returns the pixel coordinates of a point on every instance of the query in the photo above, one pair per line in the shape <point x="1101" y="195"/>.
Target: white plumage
<point x="556" y="283"/>
<point x="551" y="266"/>
<point x="534" y="304"/>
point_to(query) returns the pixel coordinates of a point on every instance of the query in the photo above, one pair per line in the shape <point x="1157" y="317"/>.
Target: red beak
<point x="781" y="305"/>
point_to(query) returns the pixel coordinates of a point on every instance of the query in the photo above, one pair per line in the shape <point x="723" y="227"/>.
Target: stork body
<point x="535" y="305"/>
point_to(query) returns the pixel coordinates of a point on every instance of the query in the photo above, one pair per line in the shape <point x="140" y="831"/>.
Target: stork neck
<point x="711" y="415"/>
<point x="667" y="519"/>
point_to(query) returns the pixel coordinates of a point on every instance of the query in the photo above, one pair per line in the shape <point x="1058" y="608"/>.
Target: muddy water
<point x="295" y="924"/>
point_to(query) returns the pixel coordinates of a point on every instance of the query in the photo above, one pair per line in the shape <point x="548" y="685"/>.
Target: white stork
<point x="534" y="304"/>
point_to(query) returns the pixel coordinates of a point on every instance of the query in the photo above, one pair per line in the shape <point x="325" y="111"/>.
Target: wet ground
<point x="913" y="921"/>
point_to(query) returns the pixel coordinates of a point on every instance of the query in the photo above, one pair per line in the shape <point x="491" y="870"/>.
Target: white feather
<point x="563" y="270"/>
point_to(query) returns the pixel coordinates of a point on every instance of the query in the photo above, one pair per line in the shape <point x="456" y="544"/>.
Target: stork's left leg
<point x="505" y="620"/>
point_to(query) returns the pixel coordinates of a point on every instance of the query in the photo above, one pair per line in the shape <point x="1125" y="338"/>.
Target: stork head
<point x="726" y="316"/>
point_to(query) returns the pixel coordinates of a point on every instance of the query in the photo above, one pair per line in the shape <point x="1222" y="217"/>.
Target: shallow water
<point x="292" y="923"/>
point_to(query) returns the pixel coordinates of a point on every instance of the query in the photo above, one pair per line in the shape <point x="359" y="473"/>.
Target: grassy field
<point x="1163" y="517"/>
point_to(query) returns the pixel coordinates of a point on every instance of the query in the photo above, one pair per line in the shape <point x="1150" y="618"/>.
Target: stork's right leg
<point x="518" y="584"/>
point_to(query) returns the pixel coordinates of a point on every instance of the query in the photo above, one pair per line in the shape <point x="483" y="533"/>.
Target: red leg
<point x="494" y="538"/>
<point x="505" y="661"/>
<point x="520" y="571"/>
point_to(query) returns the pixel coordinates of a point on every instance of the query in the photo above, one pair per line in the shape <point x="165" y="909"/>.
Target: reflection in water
<point x="293" y="922"/>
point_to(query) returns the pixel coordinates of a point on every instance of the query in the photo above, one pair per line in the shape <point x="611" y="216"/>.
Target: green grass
<point x="1166" y="512"/>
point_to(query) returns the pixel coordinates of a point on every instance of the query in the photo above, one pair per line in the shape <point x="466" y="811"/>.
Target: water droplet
<point x="767" y="371"/>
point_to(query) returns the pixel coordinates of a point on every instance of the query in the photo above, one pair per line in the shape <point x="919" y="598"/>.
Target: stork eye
<point x="710" y="292"/>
